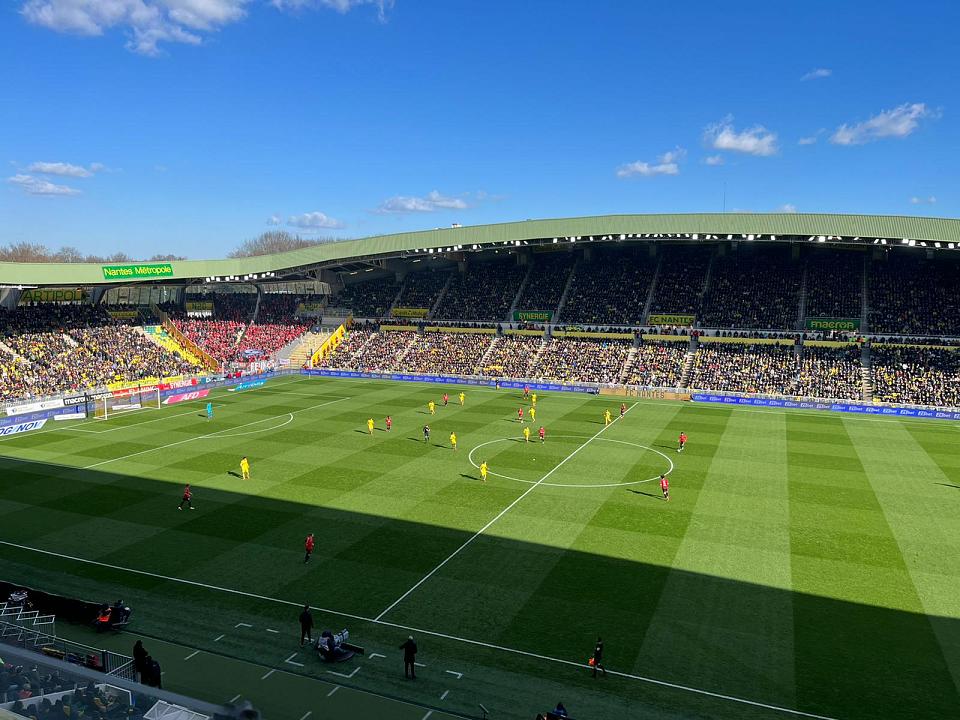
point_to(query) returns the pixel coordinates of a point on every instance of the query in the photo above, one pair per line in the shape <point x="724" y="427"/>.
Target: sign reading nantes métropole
<point x="532" y="315"/>
<point x="137" y="271"/>
<point x="832" y="323"/>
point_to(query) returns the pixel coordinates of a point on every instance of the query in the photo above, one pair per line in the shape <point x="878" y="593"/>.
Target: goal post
<point x="124" y="401"/>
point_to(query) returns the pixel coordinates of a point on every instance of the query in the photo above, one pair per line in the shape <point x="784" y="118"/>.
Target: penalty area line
<point x="431" y="633"/>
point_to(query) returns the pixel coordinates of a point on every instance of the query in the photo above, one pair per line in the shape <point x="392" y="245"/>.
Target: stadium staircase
<point x="440" y="296"/>
<point x="865" y="300"/>
<point x="535" y="358"/>
<point x="802" y="309"/>
<point x="297" y="353"/>
<point x="653" y="289"/>
<point x="707" y="279"/>
<point x="406" y="351"/>
<point x="628" y="365"/>
<point x="516" y="298"/>
<point x="866" y="373"/>
<point x="566" y="291"/>
<point x="688" y="362"/>
<point x="4" y="348"/>
<point x="482" y="362"/>
<point x="396" y="298"/>
<point x="69" y="340"/>
<point x="159" y="336"/>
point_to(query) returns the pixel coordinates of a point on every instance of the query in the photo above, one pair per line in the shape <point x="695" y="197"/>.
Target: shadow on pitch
<point x="235" y="474"/>
<point x="641" y="492"/>
<point x="949" y="485"/>
<point x="845" y="659"/>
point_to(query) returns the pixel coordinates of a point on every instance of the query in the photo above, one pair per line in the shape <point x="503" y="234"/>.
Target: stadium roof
<point x="834" y="228"/>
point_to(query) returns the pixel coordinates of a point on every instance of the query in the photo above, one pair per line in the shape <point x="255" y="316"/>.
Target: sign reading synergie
<point x="137" y="271"/>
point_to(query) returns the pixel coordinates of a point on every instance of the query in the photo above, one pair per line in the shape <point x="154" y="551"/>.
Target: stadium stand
<point x="511" y="356"/>
<point x="827" y="372"/>
<point x="914" y="296"/>
<point x="443" y="352"/>
<point x="835" y="284"/>
<point x="753" y="288"/>
<point x="680" y="282"/>
<point x="611" y="289"/>
<point x="581" y="360"/>
<point x="737" y="367"/>
<point x="548" y="277"/>
<point x="916" y="375"/>
<point x="371" y="351"/>
<point x="657" y="364"/>
<point x="421" y="289"/>
<point x="484" y="292"/>
<point x="371" y="298"/>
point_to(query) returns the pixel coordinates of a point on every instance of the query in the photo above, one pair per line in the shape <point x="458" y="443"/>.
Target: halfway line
<point x="499" y="515"/>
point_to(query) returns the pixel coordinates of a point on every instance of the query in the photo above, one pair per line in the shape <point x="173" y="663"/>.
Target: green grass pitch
<point x="806" y="562"/>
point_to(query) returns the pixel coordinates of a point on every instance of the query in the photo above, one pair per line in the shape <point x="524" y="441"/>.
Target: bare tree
<point x="166" y="258"/>
<point x="24" y="252"/>
<point x="68" y="254"/>
<point x="274" y="241"/>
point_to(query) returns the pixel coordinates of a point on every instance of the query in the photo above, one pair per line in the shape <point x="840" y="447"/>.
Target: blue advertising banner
<point x="247" y="385"/>
<point x="446" y="379"/>
<point x="858" y="408"/>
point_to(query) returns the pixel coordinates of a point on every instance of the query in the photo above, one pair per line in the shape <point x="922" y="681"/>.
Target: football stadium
<point x="479" y="427"/>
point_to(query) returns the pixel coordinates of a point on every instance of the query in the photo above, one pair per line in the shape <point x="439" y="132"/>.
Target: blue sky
<point x="188" y="126"/>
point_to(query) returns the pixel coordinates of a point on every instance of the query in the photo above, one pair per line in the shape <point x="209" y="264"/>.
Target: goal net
<point x="124" y="401"/>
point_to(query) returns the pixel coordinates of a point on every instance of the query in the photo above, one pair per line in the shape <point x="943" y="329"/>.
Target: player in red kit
<point x="446" y="399"/>
<point x="543" y="434"/>
<point x="526" y="391"/>
<point x="187" y="499"/>
<point x="665" y="487"/>
<point x="389" y="422"/>
<point x="308" y="548"/>
<point x="623" y="409"/>
<point x="520" y="414"/>
<point x="682" y="441"/>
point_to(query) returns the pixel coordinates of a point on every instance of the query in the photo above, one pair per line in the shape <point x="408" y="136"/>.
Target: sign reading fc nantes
<point x="137" y="271"/>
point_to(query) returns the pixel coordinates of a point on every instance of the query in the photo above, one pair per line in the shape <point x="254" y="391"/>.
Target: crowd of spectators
<point x="733" y="367"/>
<point x="548" y="278"/>
<point x="752" y="288"/>
<point x="657" y="364"/>
<point x="914" y="296"/>
<point x="683" y="272"/>
<point x="421" y="290"/>
<point x="371" y="351"/>
<point x="512" y="356"/>
<point x="835" y="284"/>
<point x="581" y="360"/>
<point x="24" y="687"/>
<point x="484" y="292"/>
<point x="62" y="348"/>
<point x="444" y="352"/>
<point x="916" y="375"/>
<point x="370" y="298"/>
<point x="218" y="338"/>
<point x="610" y="289"/>
<point x="829" y="372"/>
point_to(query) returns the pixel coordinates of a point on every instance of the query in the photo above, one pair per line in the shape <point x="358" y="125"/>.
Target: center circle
<point x="571" y="485"/>
<point x="228" y="434"/>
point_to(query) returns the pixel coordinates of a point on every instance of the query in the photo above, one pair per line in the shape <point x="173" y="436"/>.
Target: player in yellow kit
<point x="463" y="398"/>
<point x="244" y="468"/>
<point x="533" y="413"/>
<point x="453" y="440"/>
<point x="483" y="471"/>
<point x="370" y="426"/>
<point x="533" y="399"/>
<point x="606" y="417"/>
<point x="432" y="407"/>
<point x="526" y="434"/>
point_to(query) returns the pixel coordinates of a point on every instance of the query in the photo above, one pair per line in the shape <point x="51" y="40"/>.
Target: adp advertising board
<point x="184" y="397"/>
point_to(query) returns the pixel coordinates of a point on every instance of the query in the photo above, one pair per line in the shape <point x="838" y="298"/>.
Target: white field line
<point x="700" y="406"/>
<point x="133" y="425"/>
<point x="499" y="515"/>
<point x="208" y="435"/>
<point x="422" y="631"/>
<point x="124" y="427"/>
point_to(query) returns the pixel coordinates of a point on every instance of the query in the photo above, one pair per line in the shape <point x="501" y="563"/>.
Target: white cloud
<point x="312" y="221"/>
<point x="274" y="220"/>
<point x="149" y="23"/>
<point x="714" y="160"/>
<point x="899" y="122"/>
<point x="786" y="208"/>
<point x="431" y="202"/>
<point x="38" y="186"/>
<point x="756" y="140"/>
<point x="666" y="164"/>
<point x="817" y="73"/>
<point x="341" y="6"/>
<point x="65" y="169"/>
<point x="932" y="200"/>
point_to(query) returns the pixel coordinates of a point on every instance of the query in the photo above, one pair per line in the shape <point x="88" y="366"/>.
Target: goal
<point x="124" y="401"/>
